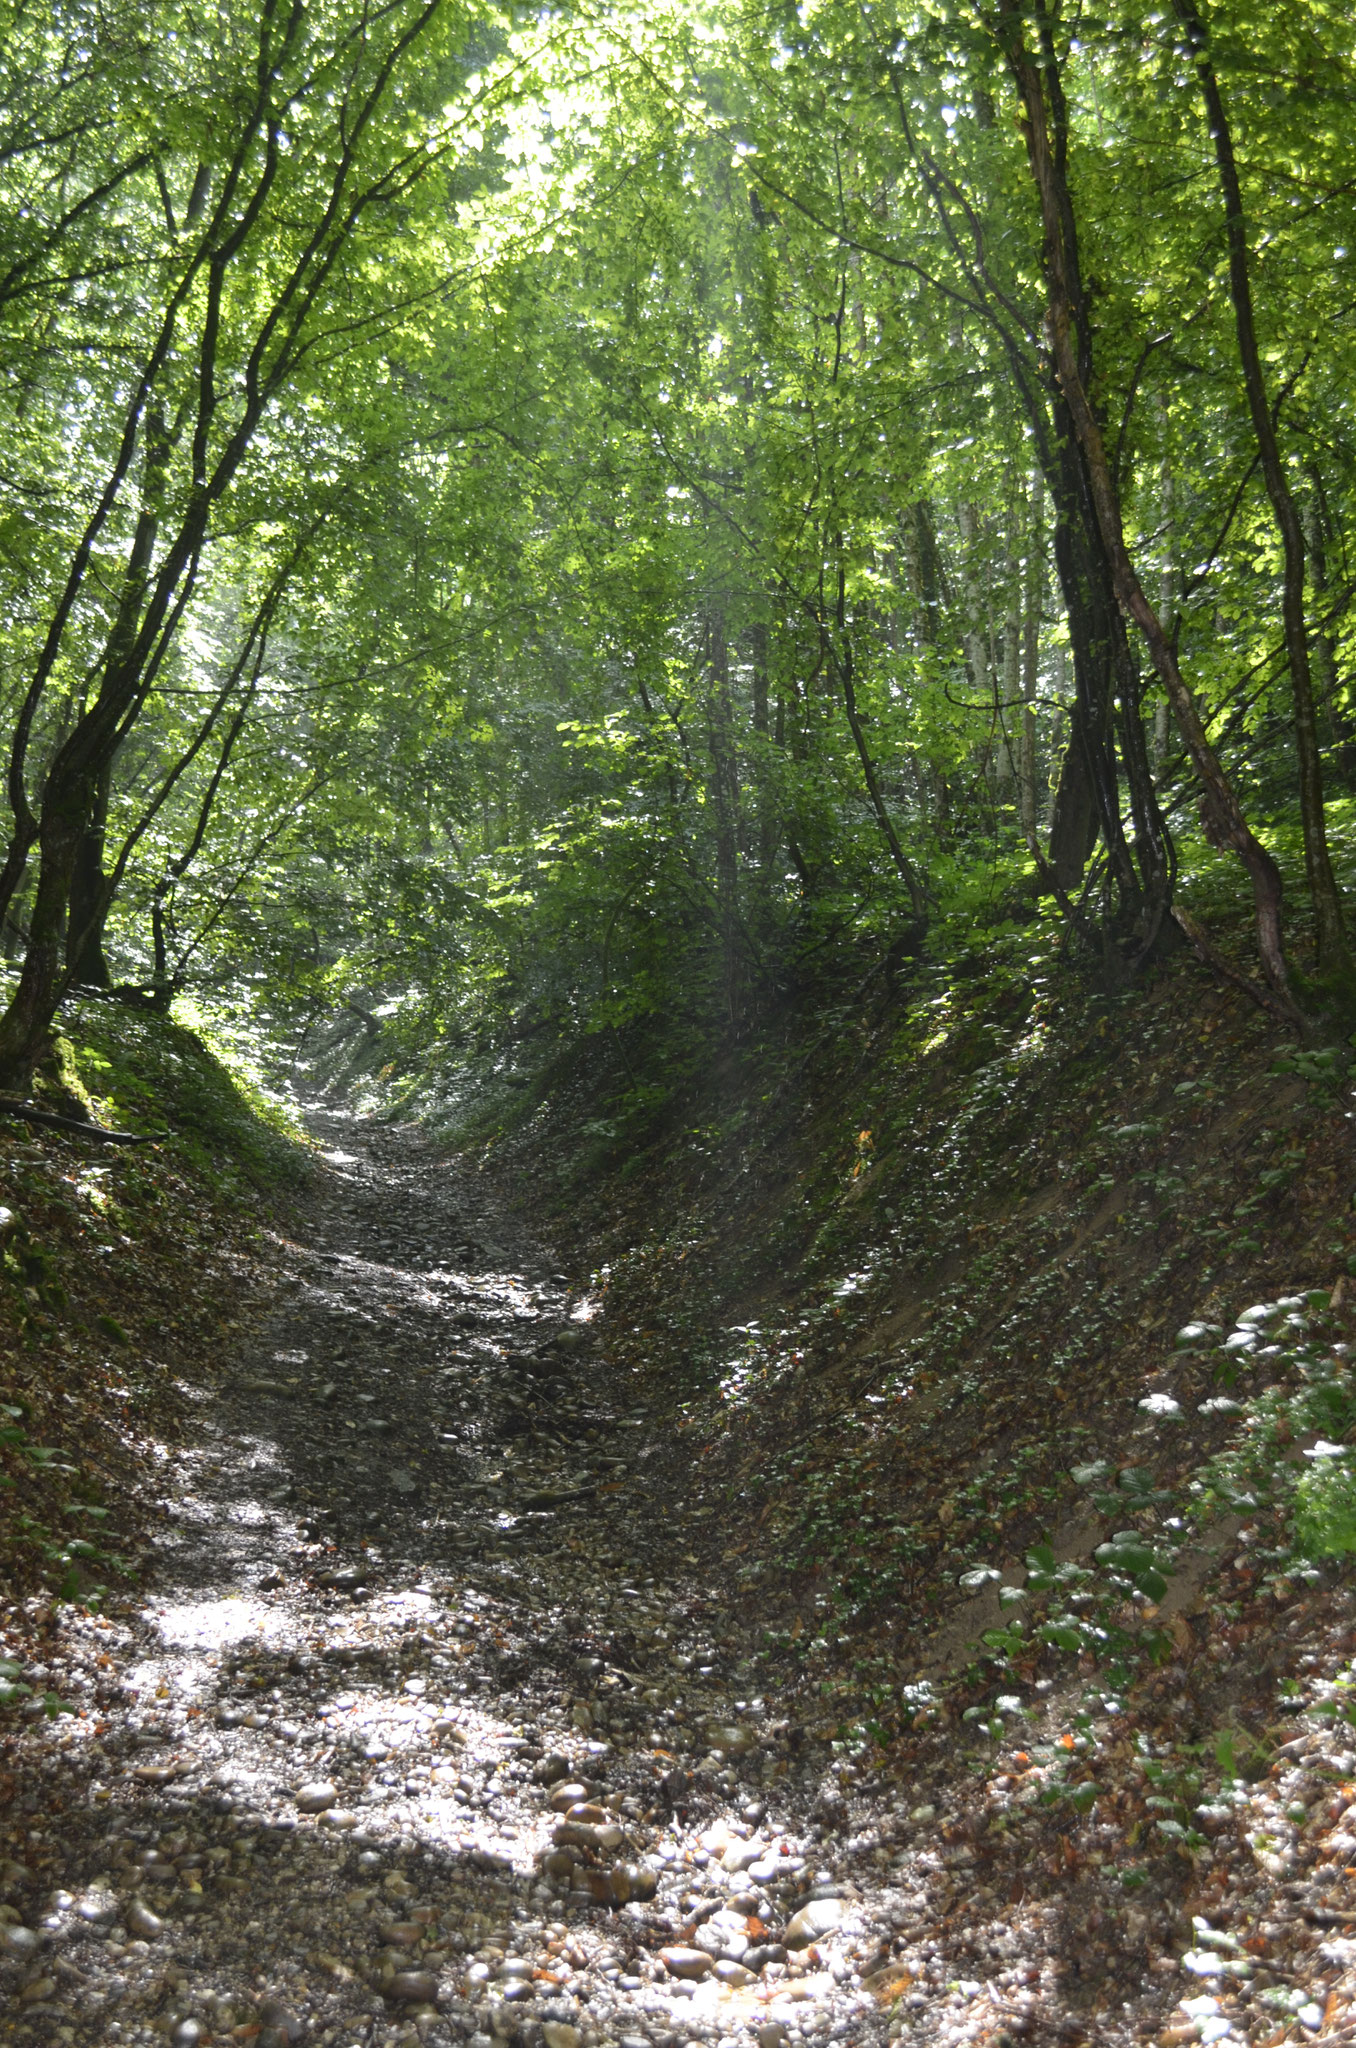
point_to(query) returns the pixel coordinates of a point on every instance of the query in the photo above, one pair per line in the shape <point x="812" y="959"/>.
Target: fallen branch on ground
<point x="50" y="1120"/>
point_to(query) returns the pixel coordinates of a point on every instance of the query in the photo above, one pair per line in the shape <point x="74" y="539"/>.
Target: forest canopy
<point x="571" y="521"/>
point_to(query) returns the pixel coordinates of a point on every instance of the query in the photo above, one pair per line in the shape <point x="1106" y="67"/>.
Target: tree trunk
<point x="25" y="1029"/>
<point x="1332" y="711"/>
<point x="767" y="822"/>
<point x="1334" y="957"/>
<point x="1033" y="598"/>
<point x="91" y="895"/>
<point x="725" y="805"/>
<point x="1169" y="577"/>
<point x="841" y="659"/>
<point x="1224" y="815"/>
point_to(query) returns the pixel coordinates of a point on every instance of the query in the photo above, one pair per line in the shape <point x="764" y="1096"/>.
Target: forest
<point x="569" y="525"/>
<point x="677" y="1006"/>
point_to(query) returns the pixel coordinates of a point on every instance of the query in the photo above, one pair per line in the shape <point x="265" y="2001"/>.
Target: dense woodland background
<point x="538" y="525"/>
<point x="747" y="610"/>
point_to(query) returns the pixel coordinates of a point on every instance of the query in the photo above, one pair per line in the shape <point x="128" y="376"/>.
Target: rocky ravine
<point x="431" y="1725"/>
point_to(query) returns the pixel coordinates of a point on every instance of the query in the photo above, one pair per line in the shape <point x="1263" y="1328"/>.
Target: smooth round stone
<point x="687" y="1963"/>
<point x="142" y="1922"/>
<point x="413" y="1987"/>
<point x="316" y="1797"/>
<point x="19" y="1942"/>
<point x="733" y="1974"/>
<point x="821" y="1916"/>
<point x="38" y="1992"/>
<point x="403" y="1933"/>
<point x="567" y="1795"/>
<point x="187" y="2034"/>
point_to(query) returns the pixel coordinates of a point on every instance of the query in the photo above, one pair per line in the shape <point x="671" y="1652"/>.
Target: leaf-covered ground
<point x="922" y="1547"/>
<point x="1013" y="1504"/>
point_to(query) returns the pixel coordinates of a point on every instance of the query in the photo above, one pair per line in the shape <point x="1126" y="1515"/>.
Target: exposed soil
<point x="427" y="1563"/>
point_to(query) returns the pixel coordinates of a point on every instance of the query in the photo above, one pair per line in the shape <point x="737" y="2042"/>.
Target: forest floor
<point x="445" y="1711"/>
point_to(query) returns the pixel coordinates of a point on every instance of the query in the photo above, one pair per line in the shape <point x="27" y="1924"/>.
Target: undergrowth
<point x="116" y="1265"/>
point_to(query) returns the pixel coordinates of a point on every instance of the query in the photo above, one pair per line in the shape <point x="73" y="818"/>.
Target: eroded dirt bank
<point x="435" y="1721"/>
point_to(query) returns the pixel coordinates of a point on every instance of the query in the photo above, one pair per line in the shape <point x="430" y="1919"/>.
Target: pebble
<point x="819" y="1917"/>
<point x="575" y="1834"/>
<point x="413" y="1987"/>
<point x="567" y="1795"/>
<point x="560" y="2034"/>
<point x="140" y="1921"/>
<point x="317" y="1796"/>
<point x="687" y="1963"/>
<point x="19" y="1942"/>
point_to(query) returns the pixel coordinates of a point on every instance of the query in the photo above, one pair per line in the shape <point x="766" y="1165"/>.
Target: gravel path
<point x="427" y="1728"/>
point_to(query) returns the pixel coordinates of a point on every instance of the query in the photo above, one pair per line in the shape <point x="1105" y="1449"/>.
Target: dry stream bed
<point x="431" y="1725"/>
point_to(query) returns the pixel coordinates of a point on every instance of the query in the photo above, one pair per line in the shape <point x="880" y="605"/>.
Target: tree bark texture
<point x="1333" y="953"/>
<point x="1224" y="815"/>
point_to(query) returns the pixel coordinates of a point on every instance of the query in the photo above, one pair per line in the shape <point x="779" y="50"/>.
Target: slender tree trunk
<point x="26" y="1026"/>
<point x="91" y="896"/>
<point x="1169" y="576"/>
<point x="975" y="637"/>
<point x="1325" y="657"/>
<point x="1033" y="600"/>
<point x="1334" y="956"/>
<point x="767" y="822"/>
<point x="725" y="803"/>
<point x="1224" y="815"/>
<point x="1332" y="711"/>
<point x="840" y="657"/>
<point x="1010" y="757"/>
<point x="1056" y="737"/>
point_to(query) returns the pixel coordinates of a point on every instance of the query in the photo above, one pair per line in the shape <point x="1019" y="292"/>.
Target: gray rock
<point x="560" y="2034"/>
<point x="141" y="1922"/>
<point x="19" y="1943"/>
<point x="315" y="1797"/>
<point x="413" y="1987"/>
<point x="820" y="1916"/>
<point x="279" y="2020"/>
<point x="566" y="1795"/>
<point x="688" y="1963"/>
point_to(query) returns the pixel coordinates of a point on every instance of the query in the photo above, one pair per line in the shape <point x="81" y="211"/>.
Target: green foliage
<point x="1325" y="1509"/>
<point x="189" y="1084"/>
<point x="560" y="548"/>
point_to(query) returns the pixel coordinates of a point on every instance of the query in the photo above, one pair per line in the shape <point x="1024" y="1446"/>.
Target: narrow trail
<point x="427" y="1728"/>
